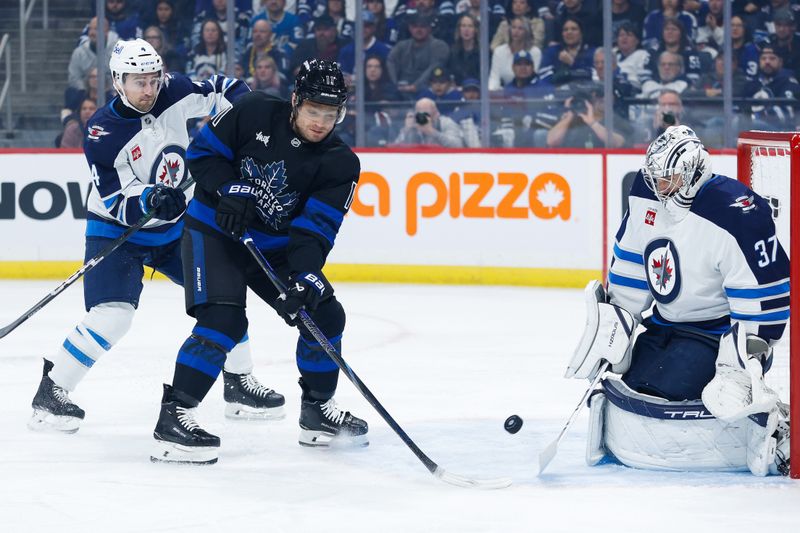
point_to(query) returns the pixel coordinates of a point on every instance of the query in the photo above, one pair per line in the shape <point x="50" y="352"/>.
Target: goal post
<point x="769" y="163"/>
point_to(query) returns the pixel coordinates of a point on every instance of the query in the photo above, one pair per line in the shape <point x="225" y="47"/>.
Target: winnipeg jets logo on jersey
<point x="273" y="204"/>
<point x="663" y="270"/>
<point x="95" y="132"/>
<point x="170" y="167"/>
<point x="746" y="203"/>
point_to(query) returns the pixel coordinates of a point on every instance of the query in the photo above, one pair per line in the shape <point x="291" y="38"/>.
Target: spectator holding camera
<point x="426" y="126"/>
<point x="669" y="112"/>
<point x="581" y="124"/>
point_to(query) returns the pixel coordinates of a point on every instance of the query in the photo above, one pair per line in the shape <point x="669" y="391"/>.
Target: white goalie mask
<point x="676" y="167"/>
<point x="134" y="57"/>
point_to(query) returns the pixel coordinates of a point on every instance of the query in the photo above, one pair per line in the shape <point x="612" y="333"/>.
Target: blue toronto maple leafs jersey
<point x="129" y="151"/>
<point x="303" y="189"/>
<point x="720" y="264"/>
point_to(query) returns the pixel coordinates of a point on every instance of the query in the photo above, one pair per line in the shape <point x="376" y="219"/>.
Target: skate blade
<point x="320" y="439"/>
<point x="237" y="411"/>
<point x="50" y="423"/>
<point x="169" y="452"/>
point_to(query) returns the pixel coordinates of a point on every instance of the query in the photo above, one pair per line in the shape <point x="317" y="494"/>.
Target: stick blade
<point x="546" y="455"/>
<point x="461" y="481"/>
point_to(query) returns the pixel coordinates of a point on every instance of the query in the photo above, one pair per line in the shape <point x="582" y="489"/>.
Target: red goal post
<point x="769" y="163"/>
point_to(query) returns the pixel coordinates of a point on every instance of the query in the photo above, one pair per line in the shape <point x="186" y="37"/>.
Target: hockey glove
<point x="305" y="291"/>
<point x="166" y="203"/>
<point x="236" y="209"/>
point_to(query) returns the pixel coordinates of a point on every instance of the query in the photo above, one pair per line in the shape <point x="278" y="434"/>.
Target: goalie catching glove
<point x="305" y="291"/>
<point x="607" y="337"/>
<point x="738" y="387"/>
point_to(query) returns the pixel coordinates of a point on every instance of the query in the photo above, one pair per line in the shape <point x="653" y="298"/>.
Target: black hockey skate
<point x="52" y="408"/>
<point x="179" y="438"/>
<point x="323" y="424"/>
<point x="248" y="399"/>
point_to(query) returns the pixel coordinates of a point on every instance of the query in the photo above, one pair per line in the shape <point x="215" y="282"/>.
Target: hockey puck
<point x="513" y="424"/>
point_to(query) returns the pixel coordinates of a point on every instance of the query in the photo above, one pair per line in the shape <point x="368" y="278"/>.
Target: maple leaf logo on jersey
<point x="550" y="196"/>
<point x="274" y="203"/>
<point x="169" y="172"/>
<point x="662" y="271"/>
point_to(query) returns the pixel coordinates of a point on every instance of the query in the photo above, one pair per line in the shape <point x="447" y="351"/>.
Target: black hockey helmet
<point x="321" y="81"/>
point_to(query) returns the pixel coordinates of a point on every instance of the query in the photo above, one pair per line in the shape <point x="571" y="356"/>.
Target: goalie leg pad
<point x="100" y="330"/>
<point x="648" y="432"/>
<point x="595" y="445"/>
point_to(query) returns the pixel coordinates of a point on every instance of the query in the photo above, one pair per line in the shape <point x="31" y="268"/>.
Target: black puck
<point x="513" y="424"/>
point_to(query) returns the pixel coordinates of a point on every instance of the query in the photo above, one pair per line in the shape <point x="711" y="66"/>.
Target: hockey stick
<point x="90" y="264"/>
<point x="547" y="455"/>
<point x="308" y="323"/>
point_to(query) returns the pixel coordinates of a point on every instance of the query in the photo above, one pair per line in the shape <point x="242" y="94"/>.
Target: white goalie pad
<point x="738" y="389"/>
<point x="648" y="432"/>
<point x="643" y="431"/>
<point x="607" y="336"/>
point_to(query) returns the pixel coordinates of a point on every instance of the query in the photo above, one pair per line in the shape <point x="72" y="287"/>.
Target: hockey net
<point x="769" y="163"/>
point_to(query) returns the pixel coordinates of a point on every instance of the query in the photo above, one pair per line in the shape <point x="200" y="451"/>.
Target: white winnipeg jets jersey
<point x="720" y="264"/>
<point x="128" y="152"/>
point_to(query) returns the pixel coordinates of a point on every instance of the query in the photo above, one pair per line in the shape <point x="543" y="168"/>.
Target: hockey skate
<point x="179" y="438"/>
<point x="52" y="408"/>
<point x="247" y="399"/>
<point x="322" y="423"/>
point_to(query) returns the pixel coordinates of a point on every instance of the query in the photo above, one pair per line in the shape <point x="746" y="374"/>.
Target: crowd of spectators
<point x="545" y="72"/>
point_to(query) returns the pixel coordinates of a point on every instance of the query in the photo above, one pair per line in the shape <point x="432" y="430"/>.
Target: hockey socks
<point x="101" y="328"/>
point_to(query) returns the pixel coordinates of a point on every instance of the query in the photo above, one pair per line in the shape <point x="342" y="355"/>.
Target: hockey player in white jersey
<point x="689" y="394"/>
<point x="136" y="150"/>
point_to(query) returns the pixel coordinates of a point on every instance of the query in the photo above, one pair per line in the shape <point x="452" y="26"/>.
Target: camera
<point x="422" y="118"/>
<point x="668" y="118"/>
<point x="580" y="102"/>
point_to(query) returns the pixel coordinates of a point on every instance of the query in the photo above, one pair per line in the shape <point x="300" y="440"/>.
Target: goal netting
<point x="769" y="163"/>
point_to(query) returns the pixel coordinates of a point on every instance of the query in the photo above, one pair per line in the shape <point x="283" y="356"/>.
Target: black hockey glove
<point x="236" y="208"/>
<point x="166" y="203"/>
<point x="305" y="291"/>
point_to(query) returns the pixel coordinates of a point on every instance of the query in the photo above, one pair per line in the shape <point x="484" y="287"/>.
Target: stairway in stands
<point x="36" y="111"/>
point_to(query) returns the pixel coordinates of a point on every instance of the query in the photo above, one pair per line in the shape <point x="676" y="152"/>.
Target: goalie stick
<point x="308" y="323"/>
<point x="90" y="264"/>
<point x="547" y="455"/>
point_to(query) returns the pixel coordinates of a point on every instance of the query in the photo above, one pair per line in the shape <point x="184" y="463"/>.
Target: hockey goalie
<point x="697" y="254"/>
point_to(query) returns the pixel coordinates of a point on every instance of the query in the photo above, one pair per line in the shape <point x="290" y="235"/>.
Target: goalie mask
<point x="321" y="81"/>
<point x="134" y="57"/>
<point x="676" y="167"/>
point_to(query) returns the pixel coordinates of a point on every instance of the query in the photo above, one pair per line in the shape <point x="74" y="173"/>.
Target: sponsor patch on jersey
<point x="745" y="203"/>
<point x="663" y="270"/>
<point x="170" y="167"/>
<point x="136" y="153"/>
<point x="650" y="217"/>
<point x="263" y="138"/>
<point x="95" y="132"/>
<point x="295" y="142"/>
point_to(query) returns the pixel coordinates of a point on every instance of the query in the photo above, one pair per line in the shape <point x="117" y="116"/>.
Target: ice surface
<point x="449" y="363"/>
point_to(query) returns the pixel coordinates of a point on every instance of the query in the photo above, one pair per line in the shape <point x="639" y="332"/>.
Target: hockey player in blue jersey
<point x="701" y="249"/>
<point x="136" y="150"/>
